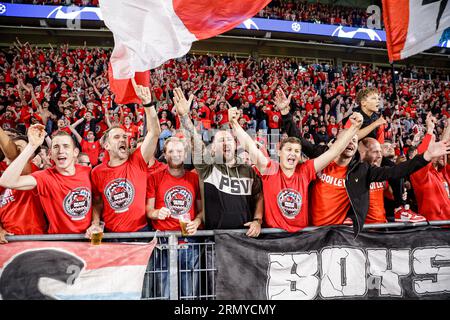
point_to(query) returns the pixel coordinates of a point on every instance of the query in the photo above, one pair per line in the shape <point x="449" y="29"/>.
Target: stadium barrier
<point x="171" y="244"/>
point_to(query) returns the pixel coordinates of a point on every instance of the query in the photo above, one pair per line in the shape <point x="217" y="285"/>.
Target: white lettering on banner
<point x="345" y="273"/>
<point x="351" y="272"/>
<point x="434" y="263"/>
<point x="389" y="266"/>
<point x="292" y="276"/>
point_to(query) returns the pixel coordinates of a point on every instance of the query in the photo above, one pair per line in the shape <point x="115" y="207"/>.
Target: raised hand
<point x="181" y="104"/>
<point x="36" y="135"/>
<point x="381" y="121"/>
<point x="282" y="102"/>
<point x="356" y="119"/>
<point x="142" y="92"/>
<point x="233" y="115"/>
<point x="431" y="122"/>
<point x="436" y="149"/>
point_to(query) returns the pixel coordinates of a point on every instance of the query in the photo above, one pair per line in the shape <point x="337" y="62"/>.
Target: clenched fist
<point x="356" y="119"/>
<point x="233" y="115"/>
<point x="36" y="135"/>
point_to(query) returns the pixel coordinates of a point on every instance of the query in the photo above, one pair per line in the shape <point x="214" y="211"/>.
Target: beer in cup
<point x="184" y="220"/>
<point x="97" y="234"/>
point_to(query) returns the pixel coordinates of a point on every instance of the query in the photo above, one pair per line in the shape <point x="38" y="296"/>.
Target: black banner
<point x="330" y="263"/>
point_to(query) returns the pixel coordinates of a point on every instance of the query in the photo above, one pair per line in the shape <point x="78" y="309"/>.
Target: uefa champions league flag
<point x="413" y="26"/>
<point x="147" y="33"/>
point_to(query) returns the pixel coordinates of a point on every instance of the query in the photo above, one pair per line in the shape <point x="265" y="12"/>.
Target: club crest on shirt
<point x="289" y="202"/>
<point x="77" y="203"/>
<point x="178" y="200"/>
<point x="120" y="194"/>
<point x="6" y="197"/>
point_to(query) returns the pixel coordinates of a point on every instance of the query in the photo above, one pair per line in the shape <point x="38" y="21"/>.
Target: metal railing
<point x="180" y="270"/>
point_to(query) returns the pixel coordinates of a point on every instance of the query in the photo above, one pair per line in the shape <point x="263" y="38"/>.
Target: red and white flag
<point x="73" y="270"/>
<point x="413" y="26"/>
<point x="147" y="33"/>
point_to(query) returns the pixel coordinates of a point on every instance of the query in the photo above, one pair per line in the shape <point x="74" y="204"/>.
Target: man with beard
<point x="431" y="183"/>
<point x="373" y="155"/>
<point x="342" y="188"/>
<point x="120" y="183"/>
<point x="231" y="192"/>
<point x="64" y="190"/>
<point x="286" y="183"/>
<point x="173" y="197"/>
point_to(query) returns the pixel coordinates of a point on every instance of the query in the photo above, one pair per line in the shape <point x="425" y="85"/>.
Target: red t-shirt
<point x="92" y="149"/>
<point x="376" y="213"/>
<point x="250" y="97"/>
<point x="156" y="167"/>
<point x="178" y="194"/>
<point x="123" y="190"/>
<point x="66" y="200"/>
<point x="21" y="211"/>
<point x="286" y="198"/>
<point x="131" y="131"/>
<point x="222" y="117"/>
<point x="274" y="119"/>
<point x="431" y="188"/>
<point x="329" y="199"/>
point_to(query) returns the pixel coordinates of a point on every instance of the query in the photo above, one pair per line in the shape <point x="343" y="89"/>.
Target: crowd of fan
<point x="68" y="90"/>
<point x="278" y="9"/>
<point x="315" y="13"/>
<point x="57" y="86"/>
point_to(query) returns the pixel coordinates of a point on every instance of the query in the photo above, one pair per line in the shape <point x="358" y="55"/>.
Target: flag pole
<point x="394" y="97"/>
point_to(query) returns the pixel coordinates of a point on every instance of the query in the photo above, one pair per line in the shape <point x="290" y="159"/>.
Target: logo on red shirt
<point x="179" y="200"/>
<point x="289" y="202"/>
<point x="6" y="198"/>
<point x="77" y="203"/>
<point x="120" y="194"/>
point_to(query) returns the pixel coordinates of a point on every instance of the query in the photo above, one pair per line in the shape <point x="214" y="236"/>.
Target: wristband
<point x="148" y="105"/>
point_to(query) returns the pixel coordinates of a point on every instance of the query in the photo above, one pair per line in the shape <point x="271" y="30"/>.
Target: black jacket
<point x="359" y="174"/>
<point x="397" y="186"/>
<point x="367" y="121"/>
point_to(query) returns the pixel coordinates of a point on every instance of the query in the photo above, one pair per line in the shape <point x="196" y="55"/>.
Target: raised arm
<point x="362" y="133"/>
<point x="256" y="155"/>
<point x="150" y="142"/>
<point x="182" y="106"/>
<point x="341" y="143"/>
<point x="8" y="147"/>
<point x="11" y="178"/>
<point x="434" y="150"/>
<point x="311" y="150"/>
<point x="74" y="131"/>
